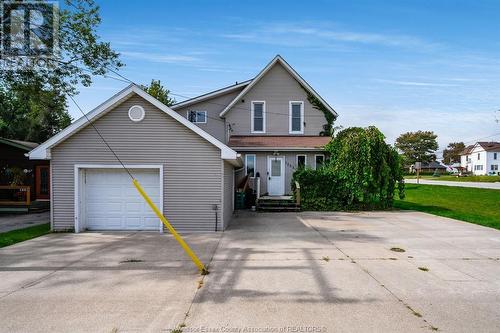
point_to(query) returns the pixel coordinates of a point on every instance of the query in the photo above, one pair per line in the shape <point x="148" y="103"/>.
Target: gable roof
<point x="293" y="73"/>
<point x="25" y="145"/>
<point x="211" y="94"/>
<point x="43" y="150"/>
<point x="490" y="146"/>
<point x="433" y="165"/>
<point x="467" y="150"/>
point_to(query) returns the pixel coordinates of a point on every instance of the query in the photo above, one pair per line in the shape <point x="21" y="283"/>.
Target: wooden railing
<point x="297" y="193"/>
<point x="20" y="190"/>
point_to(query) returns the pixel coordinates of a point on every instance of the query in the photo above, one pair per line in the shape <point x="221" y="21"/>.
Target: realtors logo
<point x="28" y="28"/>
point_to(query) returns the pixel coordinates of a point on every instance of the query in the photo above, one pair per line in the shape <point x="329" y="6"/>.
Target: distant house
<point x="430" y="167"/>
<point x="433" y="166"/>
<point x="19" y="176"/>
<point x="481" y="158"/>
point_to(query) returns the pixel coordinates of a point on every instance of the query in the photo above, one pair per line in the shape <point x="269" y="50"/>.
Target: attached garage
<point x="187" y="172"/>
<point x="108" y="202"/>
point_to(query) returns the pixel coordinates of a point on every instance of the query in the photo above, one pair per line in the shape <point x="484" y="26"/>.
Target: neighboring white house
<point x="482" y="158"/>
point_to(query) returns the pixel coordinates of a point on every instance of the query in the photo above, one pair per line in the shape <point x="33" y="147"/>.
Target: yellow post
<point x="177" y="237"/>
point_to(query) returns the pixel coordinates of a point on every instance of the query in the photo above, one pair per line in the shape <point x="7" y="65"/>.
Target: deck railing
<point x="15" y="192"/>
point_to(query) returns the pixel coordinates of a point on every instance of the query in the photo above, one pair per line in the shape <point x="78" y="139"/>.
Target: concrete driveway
<point x="273" y="272"/>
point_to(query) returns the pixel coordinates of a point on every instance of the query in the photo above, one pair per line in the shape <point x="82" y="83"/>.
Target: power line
<point x="123" y="78"/>
<point x="102" y="138"/>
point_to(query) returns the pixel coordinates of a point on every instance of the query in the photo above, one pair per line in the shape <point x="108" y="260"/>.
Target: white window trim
<point x="254" y="164"/>
<point x="301" y="117"/>
<point x="297" y="160"/>
<point x="263" y="117"/>
<point x="142" y="115"/>
<point x="315" y="167"/>
<point x="197" y="122"/>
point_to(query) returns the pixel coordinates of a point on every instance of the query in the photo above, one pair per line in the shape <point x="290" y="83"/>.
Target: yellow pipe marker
<point x="177" y="237"/>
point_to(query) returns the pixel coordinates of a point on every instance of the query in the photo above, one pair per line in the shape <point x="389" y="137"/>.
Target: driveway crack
<point x="61" y="268"/>
<point x="400" y="300"/>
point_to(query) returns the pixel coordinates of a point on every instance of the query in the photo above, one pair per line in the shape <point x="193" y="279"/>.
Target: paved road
<point x="333" y="272"/>
<point x="19" y="221"/>
<point x="494" y="186"/>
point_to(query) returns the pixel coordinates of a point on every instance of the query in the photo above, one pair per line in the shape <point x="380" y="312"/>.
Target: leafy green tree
<point x="32" y="113"/>
<point x="363" y="172"/>
<point x="452" y="153"/>
<point x="159" y="92"/>
<point x="417" y="146"/>
<point x="33" y="93"/>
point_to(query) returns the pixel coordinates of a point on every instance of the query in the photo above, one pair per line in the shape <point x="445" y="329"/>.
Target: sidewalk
<point x="493" y="186"/>
<point x="13" y="222"/>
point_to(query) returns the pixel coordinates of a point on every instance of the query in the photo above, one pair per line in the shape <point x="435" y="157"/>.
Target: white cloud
<point x="307" y="33"/>
<point x="416" y="83"/>
<point x="467" y="126"/>
<point x="161" y="58"/>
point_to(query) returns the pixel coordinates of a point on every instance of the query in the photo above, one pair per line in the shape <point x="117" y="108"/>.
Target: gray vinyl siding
<point x="290" y="167"/>
<point x="192" y="172"/>
<point x="228" y="194"/>
<point x="215" y="125"/>
<point x="277" y="88"/>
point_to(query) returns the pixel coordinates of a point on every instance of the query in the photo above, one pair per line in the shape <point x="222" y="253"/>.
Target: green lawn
<point x="16" y="236"/>
<point x="479" y="206"/>
<point x="481" y="179"/>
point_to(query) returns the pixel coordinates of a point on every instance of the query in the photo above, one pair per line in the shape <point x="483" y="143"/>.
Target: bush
<point x="363" y="173"/>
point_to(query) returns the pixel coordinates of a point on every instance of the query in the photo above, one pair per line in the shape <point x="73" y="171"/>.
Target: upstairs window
<point x="258" y="117"/>
<point x="296" y="117"/>
<point x="301" y="161"/>
<point x="319" y="160"/>
<point x="197" y="117"/>
<point x="250" y="165"/>
<point x="494" y="156"/>
<point x="478" y="156"/>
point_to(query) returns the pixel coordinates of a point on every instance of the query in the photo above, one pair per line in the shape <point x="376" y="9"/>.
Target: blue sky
<point x="398" y="65"/>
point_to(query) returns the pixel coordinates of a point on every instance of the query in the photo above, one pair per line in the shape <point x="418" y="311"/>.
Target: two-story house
<point x="482" y="158"/>
<point x="187" y="157"/>
<point x="269" y="120"/>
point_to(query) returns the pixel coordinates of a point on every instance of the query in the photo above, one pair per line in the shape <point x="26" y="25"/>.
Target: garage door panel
<point x="112" y="203"/>
<point x="102" y="208"/>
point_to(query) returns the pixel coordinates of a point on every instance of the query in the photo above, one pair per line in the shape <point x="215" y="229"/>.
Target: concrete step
<point x="279" y="209"/>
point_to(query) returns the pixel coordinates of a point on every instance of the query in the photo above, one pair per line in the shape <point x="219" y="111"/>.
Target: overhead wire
<point x="123" y="78"/>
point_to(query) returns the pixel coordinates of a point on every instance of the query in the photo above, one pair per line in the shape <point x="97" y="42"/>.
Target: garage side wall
<point x="191" y="165"/>
<point x="228" y="194"/>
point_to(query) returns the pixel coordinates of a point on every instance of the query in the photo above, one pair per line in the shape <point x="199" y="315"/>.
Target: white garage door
<point x="112" y="202"/>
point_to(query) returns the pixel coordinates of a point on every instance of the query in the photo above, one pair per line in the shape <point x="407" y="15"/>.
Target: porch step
<point x="277" y="204"/>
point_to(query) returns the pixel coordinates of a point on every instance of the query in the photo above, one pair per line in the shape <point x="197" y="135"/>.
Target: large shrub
<point x="363" y="172"/>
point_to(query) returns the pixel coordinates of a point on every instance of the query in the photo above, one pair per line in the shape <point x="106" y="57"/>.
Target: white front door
<point x="275" y="175"/>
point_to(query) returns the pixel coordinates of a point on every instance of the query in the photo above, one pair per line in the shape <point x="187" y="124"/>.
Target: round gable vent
<point x="136" y="113"/>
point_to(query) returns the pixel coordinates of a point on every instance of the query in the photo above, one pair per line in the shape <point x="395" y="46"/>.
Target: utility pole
<point x="418" y="165"/>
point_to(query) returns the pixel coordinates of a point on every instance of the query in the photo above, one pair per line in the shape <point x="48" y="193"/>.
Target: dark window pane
<point x="319" y="161"/>
<point x="201" y="118"/>
<point x="258" y="117"/>
<point x="250" y="167"/>
<point x="258" y="125"/>
<point x="296" y="125"/>
<point x="296" y="118"/>
<point x="258" y="110"/>
<point x="301" y="161"/>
